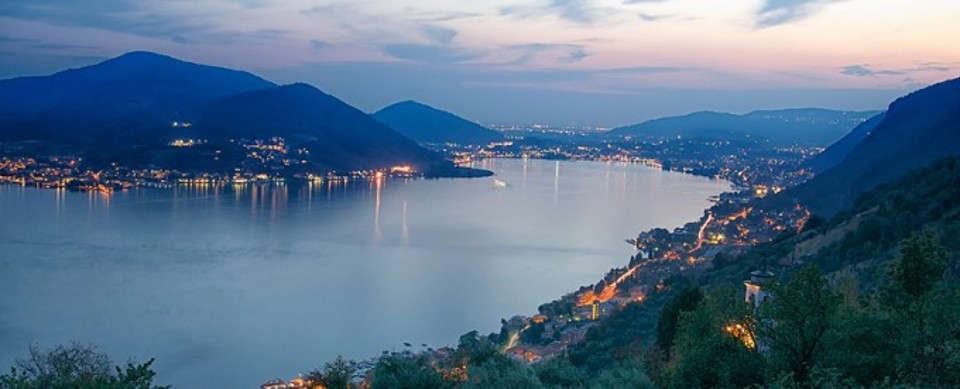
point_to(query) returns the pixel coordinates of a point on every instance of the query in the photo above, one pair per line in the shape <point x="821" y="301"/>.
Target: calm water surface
<point x="243" y="285"/>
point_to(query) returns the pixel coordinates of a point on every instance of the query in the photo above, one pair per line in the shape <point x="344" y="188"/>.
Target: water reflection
<point x="377" y="233"/>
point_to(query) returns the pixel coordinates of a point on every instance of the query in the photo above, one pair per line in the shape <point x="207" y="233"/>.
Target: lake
<point x="243" y="284"/>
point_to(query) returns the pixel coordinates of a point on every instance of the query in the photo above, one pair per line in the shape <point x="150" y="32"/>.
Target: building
<point x="757" y="293"/>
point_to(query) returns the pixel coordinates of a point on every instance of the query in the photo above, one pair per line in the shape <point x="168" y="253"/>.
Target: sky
<point x="562" y="62"/>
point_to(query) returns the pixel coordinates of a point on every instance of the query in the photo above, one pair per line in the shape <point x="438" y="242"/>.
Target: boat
<point x="499" y="184"/>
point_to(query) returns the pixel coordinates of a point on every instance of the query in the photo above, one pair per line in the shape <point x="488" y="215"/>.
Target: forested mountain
<point x="916" y="130"/>
<point x="338" y="136"/>
<point x="424" y="123"/>
<point x="132" y="96"/>
<point x="835" y="154"/>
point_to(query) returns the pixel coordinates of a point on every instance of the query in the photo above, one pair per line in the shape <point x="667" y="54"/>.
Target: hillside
<point x="338" y="136"/>
<point x="835" y="154"/>
<point x="130" y="97"/>
<point x="424" y="123"/>
<point x="807" y="127"/>
<point x="916" y="130"/>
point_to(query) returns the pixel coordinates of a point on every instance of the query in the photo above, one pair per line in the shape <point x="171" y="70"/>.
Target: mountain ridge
<point x="124" y="110"/>
<point x="133" y="92"/>
<point x="916" y="130"/>
<point x="804" y="126"/>
<point x="424" y="123"/>
<point x="338" y="135"/>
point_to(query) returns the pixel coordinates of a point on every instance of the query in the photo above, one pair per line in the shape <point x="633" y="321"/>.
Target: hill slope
<point x="808" y="127"/>
<point x="338" y="136"/>
<point x="835" y="154"/>
<point x="130" y="96"/>
<point x="916" y="130"/>
<point x="423" y="123"/>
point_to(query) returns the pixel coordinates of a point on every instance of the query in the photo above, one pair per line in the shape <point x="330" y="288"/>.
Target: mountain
<point x="916" y="130"/>
<point x="424" y="123"/>
<point x="839" y="150"/>
<point x="132" y="95"/>
<point x="807" y="127"/>
<point x="123" y="111"/>
<point x="338" y="136"/>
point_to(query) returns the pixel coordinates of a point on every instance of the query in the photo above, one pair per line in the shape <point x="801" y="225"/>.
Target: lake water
<point x="241" y="285"/>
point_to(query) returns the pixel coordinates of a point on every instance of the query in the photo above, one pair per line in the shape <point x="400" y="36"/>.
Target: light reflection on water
<point x="246" y="283"/>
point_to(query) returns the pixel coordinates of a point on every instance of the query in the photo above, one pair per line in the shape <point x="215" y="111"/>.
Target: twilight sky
<point x="591" y="62"/>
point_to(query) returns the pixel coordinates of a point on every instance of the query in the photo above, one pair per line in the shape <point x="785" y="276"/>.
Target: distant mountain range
<point x="123" y="108"/>
<point x="426" y="124"/>
<point x="807" y="127"/>
<point x="916" y="130"/>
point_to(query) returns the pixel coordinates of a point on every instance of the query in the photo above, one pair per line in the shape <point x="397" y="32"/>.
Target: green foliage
<point x="560" y="373"/>
<point x="929" y="198"/>
<point x="619" y="337"/>
<point x="338" y="374"/>
<point x="705" y="355"/>
<point x="406" y="371"/>
<point x="534" y="334"/>
<point x="922" y="263"/>
<point x="76" y="366"/>
<point x="624" y="375"/>
<point x="501" y="372"/>
<point x="475" y="349"/>
<point x="864" y="345"/>
<point x="684" y="301"/>
<point x="795" y="322"/>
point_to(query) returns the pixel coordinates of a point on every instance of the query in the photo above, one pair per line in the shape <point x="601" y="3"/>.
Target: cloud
<point x="778" y="12"/>
<point x="863" y="71"/>
<point x="123" y="16"/>
<point x="867" y="71"/>
<point x="428" y="53"/>
<point x="575" y="11"/>
<point x="563" y="53"/>
<point x="440" y="35"/>
<point x="30" y="43"/>
<point x="446" y="16"/>
<point x="647" y="70"/>
<point x="317" y="44"/>
<point x="650" y="18"/>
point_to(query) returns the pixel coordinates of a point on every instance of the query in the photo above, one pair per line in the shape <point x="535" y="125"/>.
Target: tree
<point x="533" y="334"/>
<point x="921" y="266"/>
<point x="684" y="301"/>
<point x="338" y="374"/>
<point x="714" y="345"/>
<point x="928" y="312"/>
<point x="559" y="373"/>
<point x="795" y="322"/>
<point x="624" y="375"/>
<point x="501" y="372"/>
<point x="76" y="366"/>
<point x="865" y="345"/>
<point x="405" y="371"/>
<point x="474" y="349"/>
